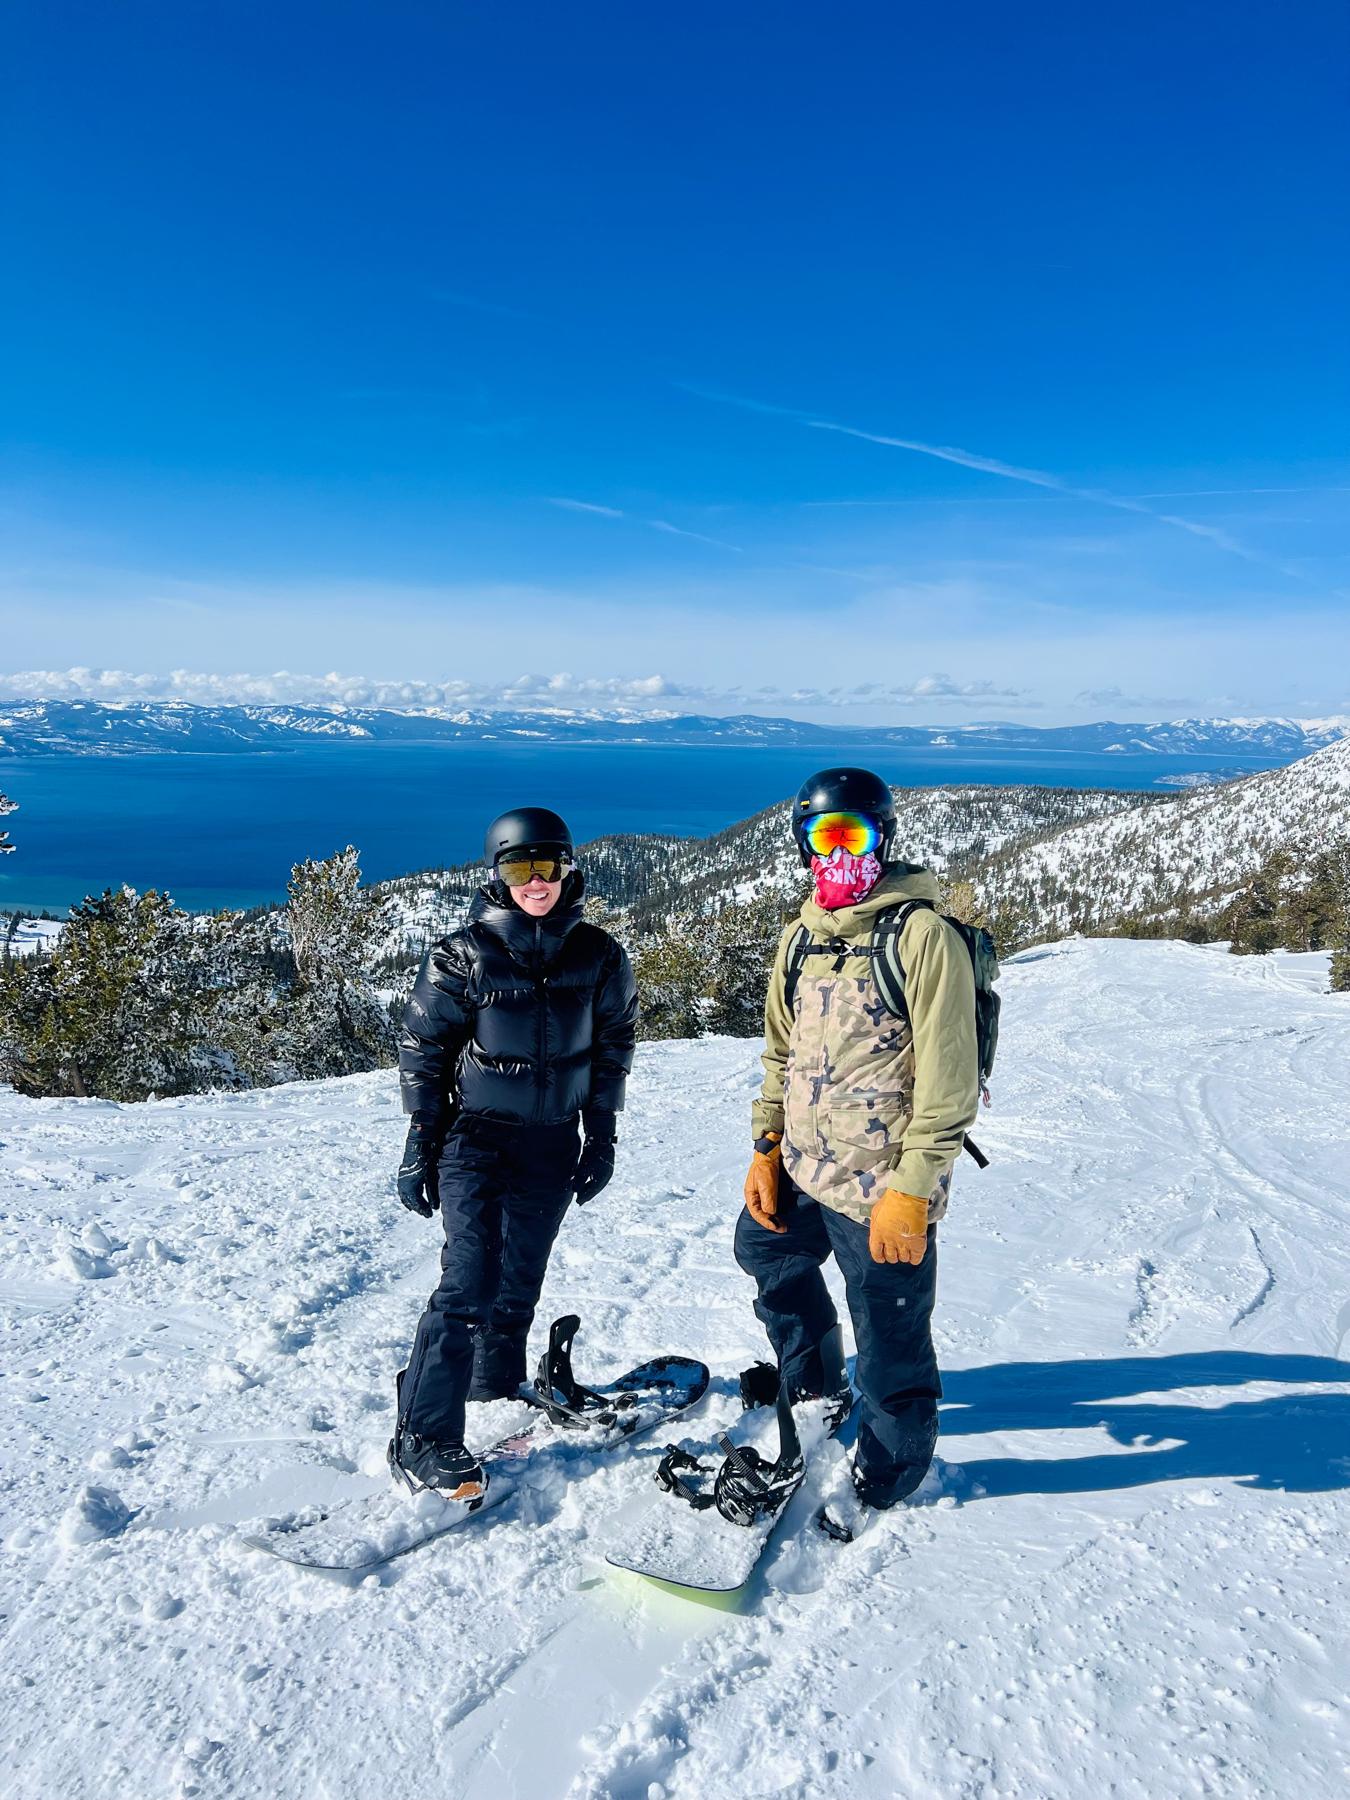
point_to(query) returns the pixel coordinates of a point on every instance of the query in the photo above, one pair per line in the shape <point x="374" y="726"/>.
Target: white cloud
<point x="586" y="506"/>
<point x="1115" y="696"/>
<point x="934" y="689"/>
<point x="615" y="512"/>
<point x="287" y="689"/>
<point x="698" y="537"/>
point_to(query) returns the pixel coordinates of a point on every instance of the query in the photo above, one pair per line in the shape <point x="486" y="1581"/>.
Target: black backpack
<point x="889" y="974"/>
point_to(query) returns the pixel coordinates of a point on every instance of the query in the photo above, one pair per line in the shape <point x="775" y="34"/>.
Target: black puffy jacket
<point x="527" y="1020"/>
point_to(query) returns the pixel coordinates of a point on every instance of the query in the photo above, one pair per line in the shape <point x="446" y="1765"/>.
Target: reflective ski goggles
<point x="535" y="865"/>
<point x="850" y="831"/>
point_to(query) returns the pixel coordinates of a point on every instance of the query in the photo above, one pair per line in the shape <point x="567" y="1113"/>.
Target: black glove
<point x="595" y="1168"/>
<point x="418" y="1182"/>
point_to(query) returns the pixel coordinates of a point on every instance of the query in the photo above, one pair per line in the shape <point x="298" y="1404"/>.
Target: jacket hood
<point x="524" y="937"/>
<point x="899" y="882"/>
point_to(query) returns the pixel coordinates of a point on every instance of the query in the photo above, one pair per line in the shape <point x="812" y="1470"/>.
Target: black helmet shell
<point x="844" y="790"/>
<point x="525" y="828"/>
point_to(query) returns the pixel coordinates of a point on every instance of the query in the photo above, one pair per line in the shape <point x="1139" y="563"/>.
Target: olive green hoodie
<point x="866" y="1101"/>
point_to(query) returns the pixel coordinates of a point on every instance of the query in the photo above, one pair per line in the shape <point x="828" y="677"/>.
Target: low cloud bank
<point x="656" y="692"/>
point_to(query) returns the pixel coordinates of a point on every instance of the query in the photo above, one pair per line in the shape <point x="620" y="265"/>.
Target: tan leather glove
<point x="761" y="1185"/>
<point x="898" y="1232"/>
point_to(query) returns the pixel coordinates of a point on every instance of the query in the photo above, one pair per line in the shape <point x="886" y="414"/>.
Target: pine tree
<point x="1254" y="918"/>
<point x="1009" y="923"/>
<point x="337" y="1024"/>
<point x="960" y="900"/>
<point x="6" y="806"/>
<point x="108" y="1012"/>
<point x="245" y="982"/>
<point x="672" y="979"/>
<point x="743" y="941"/>
<point x="1326" y="899"/>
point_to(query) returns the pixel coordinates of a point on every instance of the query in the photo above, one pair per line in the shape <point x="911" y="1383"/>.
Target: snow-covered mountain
<point x="33" y="727"/>
<point x="952" y="829"/>
<point x="1127" y="1577"/>
<point x="1189" y="851"/>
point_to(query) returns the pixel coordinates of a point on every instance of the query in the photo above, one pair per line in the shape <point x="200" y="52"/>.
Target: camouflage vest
<point x="848" y="1090"/>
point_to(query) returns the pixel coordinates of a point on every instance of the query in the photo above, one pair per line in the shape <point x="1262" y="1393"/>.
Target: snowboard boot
<point x="420" y="1462"/>
<point x="430" y="1463"/>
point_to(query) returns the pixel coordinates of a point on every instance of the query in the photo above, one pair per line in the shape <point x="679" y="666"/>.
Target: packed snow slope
<point x="1129" y="1579"/>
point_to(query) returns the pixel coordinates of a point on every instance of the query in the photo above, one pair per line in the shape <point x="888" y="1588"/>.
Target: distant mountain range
<point x="149" y="727"/>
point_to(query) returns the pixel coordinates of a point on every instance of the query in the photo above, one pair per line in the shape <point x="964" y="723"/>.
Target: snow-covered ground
<point x="29" y="935"/>
<point x="1133" y="1583"/>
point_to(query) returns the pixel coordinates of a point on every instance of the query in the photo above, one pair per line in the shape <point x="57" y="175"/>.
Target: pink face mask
<point x="842" y="879"/>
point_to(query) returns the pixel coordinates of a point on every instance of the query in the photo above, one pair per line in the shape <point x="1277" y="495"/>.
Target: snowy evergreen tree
<point x="672" y="977"/>
<point x="337" y="1024"/>
<point x="109" y="1011"/>
<point x="1254" y="918"/>
<point x="1327" y="897"/>
<point x="743" y="941"/>
<point x="6" y="806"/>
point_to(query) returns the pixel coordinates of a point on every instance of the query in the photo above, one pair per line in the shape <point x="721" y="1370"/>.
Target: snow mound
<point x="95" y="1513"/>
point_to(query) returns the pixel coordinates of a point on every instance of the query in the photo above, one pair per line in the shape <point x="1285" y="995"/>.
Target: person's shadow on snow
<point x="1298" y="1442"/>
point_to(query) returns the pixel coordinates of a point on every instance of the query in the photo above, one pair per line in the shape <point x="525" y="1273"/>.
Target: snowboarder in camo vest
<point x="520" y="1023"/>
<point x="859" y="1121"/>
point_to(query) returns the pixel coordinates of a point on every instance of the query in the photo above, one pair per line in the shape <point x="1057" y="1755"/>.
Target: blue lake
<point x="218" y="830"/>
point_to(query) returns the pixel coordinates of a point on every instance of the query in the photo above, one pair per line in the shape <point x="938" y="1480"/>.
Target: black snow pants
<point x="891" y="1306"/>
<point x="504" y="1190"/>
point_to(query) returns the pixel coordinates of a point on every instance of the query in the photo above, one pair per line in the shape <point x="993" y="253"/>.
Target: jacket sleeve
<point x="766" y="1113"/>
<point x="437" y="1022"/>
<point x="940" y="995"/>
<point x="615" y="1031"/>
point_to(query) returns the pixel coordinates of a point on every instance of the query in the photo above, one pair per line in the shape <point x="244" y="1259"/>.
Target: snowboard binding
<point x="562" y="1397"/>
<point x="747" y="1487"/>
<point x="759" y="1384"/>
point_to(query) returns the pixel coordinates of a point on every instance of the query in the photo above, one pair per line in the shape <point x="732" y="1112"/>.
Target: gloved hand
<point x="898" y="1232"/>
<point x="761" y="1183"/>
<point x="595" y="1167"/>
<point x="418" y="1181"/>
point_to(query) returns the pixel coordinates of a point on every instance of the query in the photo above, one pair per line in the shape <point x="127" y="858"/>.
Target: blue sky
<point x="872" y="362"/>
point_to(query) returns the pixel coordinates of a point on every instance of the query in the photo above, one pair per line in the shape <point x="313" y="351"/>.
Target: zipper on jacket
<point x="541" y="987"/>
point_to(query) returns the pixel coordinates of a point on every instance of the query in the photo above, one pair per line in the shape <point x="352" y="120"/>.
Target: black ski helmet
<point x="525" y="828"/>
<point x="843" y="790"/>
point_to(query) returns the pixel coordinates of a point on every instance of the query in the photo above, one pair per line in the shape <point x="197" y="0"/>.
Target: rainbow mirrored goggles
<point x="520" y="867"/>
<point x="850" y="831"/>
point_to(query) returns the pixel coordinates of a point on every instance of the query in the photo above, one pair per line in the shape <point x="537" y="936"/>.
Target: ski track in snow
<point x="1130" y="1577"/>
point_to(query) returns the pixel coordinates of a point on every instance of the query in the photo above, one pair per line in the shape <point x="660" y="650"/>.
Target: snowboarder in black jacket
<point x="520" y="1024"/>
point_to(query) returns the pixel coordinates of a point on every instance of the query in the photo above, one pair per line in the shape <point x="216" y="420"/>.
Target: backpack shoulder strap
<point x="887" y="968"/>
<point x="798" y="944"/>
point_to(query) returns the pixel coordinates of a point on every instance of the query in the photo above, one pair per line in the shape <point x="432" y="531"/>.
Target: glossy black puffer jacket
<point x="526" y="1020"/>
